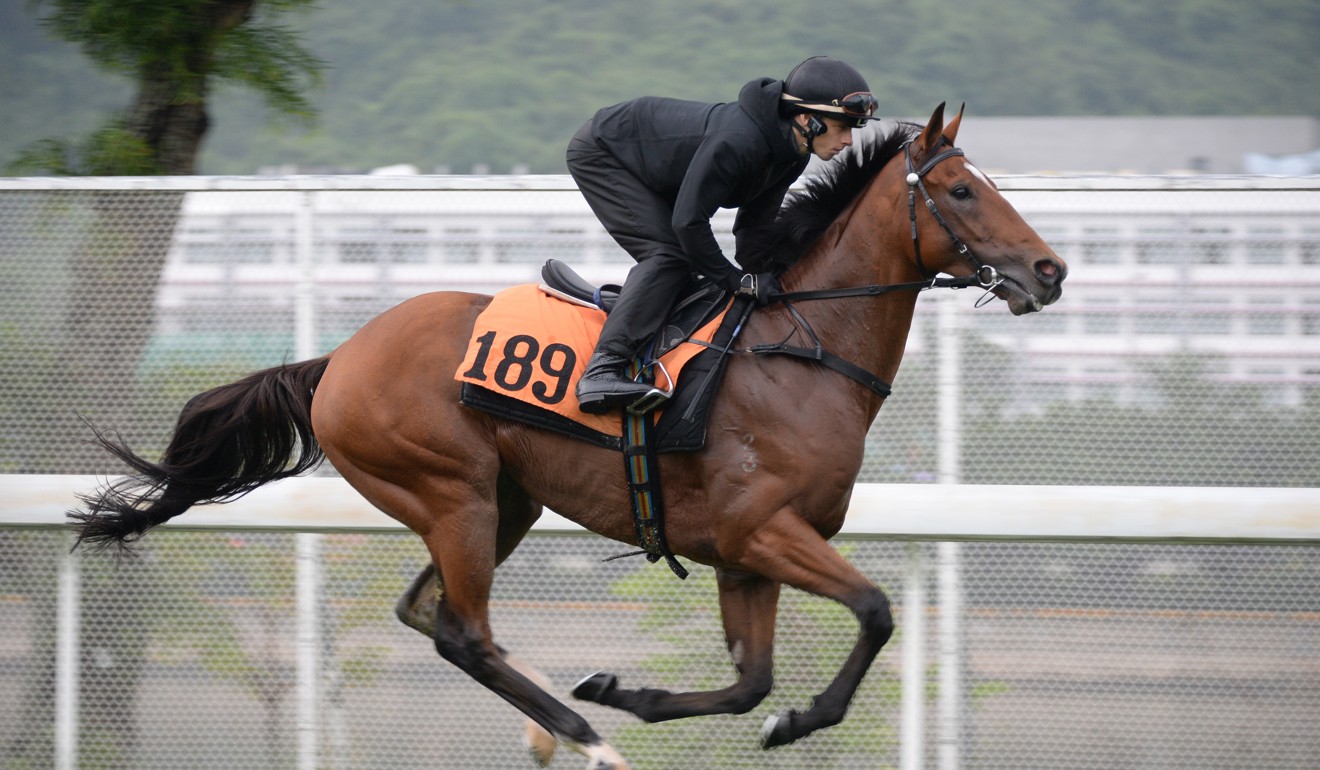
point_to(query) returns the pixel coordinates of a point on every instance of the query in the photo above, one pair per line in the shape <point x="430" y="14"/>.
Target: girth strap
<point x="642" y="468"/>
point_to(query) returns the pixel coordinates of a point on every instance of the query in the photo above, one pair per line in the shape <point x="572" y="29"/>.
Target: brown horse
<point x="758" y="503"/>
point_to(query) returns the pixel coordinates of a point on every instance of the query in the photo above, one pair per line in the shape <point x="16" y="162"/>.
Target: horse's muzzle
<point x="1031" y="292"/>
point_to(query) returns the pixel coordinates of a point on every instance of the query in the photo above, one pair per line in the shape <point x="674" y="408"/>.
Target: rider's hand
<point x="758" y="286"/>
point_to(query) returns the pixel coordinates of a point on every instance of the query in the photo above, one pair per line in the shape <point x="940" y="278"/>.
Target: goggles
<point x="859" y="105"/>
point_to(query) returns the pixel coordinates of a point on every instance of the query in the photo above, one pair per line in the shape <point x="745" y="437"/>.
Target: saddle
<point x="699" y="302"/>
<point x="680" y="419"/>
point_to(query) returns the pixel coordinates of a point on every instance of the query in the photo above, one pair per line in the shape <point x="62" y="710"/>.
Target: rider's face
<point x="833" y="141"/>
<point x="837" y="136"/>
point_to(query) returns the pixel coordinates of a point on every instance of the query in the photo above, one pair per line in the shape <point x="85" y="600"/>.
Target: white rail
<point x="887" y="511"/>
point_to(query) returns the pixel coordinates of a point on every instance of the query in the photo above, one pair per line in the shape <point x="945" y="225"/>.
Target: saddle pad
<point x="532" y="347"/>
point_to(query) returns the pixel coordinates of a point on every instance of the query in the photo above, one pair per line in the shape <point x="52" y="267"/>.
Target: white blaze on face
<point x="980" y="175"/>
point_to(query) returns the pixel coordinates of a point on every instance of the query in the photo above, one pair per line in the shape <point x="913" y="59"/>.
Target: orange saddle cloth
<point x="529" y="348"/>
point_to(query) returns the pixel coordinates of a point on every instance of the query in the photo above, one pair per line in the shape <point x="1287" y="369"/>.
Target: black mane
<point x="807" y="213"/>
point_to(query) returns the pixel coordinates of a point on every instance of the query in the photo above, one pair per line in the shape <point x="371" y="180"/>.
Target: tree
<point x="174" y="50"/>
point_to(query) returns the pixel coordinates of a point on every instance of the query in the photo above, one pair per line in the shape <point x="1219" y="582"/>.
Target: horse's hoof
<point x="540" y="744"/>
<point x="595" y="687"/>
<point x="778" y="729"/>
<point x="605" y="758"/>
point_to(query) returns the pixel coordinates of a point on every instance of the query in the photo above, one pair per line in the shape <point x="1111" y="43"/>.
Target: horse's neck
<point x="866" y="245"/>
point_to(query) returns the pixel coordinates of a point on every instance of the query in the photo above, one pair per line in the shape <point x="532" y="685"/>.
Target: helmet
<point x="829" y="87"/>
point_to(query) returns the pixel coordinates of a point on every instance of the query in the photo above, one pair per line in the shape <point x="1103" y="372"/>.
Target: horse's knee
<point x="875" y="616"/>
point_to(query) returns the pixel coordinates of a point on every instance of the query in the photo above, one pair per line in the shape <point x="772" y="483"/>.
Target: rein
<point x="985" y="277"/>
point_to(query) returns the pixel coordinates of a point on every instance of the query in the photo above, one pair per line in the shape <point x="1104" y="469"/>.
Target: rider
<point x="655" y="170"/>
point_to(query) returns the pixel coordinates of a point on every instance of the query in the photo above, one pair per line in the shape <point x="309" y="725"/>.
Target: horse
<point x="758" y="503"/>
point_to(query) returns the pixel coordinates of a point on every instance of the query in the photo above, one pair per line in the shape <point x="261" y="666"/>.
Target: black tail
<point x="229" y="441"/>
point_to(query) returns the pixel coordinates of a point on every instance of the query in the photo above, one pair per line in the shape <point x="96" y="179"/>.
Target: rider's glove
<point x="758" y="286"/>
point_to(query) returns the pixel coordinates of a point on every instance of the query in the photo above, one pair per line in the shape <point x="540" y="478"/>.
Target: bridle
<point x="915" y="183"/>
<point x="985" y="277"/>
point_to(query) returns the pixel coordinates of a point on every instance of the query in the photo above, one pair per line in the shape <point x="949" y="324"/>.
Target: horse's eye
<point x="962" y="192"/>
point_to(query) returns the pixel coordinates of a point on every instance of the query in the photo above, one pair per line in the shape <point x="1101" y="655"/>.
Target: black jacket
<point x="702" y="157"/>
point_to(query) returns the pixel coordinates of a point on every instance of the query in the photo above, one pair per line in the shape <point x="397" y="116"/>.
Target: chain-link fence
<point x="1074" y="656"/>
<point x="1186" y="351"/>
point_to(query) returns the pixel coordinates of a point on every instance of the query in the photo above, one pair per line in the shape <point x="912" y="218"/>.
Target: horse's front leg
<point x="787" y="549"/>
<point x="747" y="605"/>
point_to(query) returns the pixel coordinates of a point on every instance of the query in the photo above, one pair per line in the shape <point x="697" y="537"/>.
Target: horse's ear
<point x="931" y="134"/>
<point x="951" y="130"/>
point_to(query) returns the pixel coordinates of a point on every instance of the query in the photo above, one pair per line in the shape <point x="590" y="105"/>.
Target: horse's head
<point x="963" y="224"/>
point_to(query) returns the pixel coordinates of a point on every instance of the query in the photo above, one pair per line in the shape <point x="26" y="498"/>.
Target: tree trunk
<point x="110" y="325"/>
<point x="171" y="125"/>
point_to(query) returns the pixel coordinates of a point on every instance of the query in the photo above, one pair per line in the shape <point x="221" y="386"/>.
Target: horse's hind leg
<point x="464" y="546"/>
<point x="462" y="637"/>
<point x="419" y="605"/>
<point x="747" y="605"/>
<point x="518" y="512"/>
<point x="417" y="608"/>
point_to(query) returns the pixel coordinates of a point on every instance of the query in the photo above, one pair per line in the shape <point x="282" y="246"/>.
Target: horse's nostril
<point x="1049" y="271"/>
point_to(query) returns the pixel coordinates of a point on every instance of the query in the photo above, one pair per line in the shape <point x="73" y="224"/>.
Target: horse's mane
<point x="808" y="212"/>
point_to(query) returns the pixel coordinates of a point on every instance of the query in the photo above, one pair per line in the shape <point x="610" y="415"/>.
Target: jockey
<point x="654" y="170"/>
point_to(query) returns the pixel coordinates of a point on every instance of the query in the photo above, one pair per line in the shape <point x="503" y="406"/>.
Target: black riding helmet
<point x="827" y="86"/>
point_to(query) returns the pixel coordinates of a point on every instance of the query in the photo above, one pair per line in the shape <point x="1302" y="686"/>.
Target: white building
<point x="1229" y="269"/>
<point x="1224" y="267"/>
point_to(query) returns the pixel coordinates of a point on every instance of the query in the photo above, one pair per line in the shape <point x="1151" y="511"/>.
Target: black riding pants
<point x="640" y="220"/>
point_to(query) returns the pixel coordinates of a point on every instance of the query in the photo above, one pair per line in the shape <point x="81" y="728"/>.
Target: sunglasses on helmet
<point x="859" y="104"/>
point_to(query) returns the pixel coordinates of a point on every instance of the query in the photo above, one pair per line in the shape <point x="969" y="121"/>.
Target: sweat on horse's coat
<point x="757" y="503"/>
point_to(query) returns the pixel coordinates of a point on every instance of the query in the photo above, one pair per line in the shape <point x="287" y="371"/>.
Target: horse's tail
<point x="228" y="441"/>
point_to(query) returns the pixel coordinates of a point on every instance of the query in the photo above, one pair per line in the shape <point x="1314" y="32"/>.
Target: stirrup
<point x="656" y="396"/>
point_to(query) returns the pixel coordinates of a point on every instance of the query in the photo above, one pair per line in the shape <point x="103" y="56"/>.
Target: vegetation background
<point x="501" y="85"/>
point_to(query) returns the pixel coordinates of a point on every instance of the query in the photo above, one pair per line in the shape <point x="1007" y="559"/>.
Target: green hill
<point x="506" y="82"/>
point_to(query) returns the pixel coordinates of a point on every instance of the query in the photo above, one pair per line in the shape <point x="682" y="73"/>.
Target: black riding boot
<point x="605" y="384"/>
<point x="645" y="299"/>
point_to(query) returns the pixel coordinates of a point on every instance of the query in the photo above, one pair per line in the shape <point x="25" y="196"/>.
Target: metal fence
<point x="1186" y="349"/>
<point x="243" y="646"/>
<point x="1186" y="352"/>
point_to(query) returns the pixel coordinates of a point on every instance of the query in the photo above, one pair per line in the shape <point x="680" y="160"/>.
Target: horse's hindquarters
<point x="386" y="411"/>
